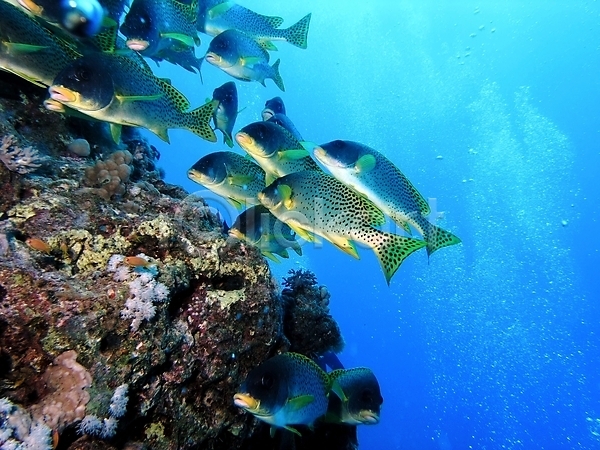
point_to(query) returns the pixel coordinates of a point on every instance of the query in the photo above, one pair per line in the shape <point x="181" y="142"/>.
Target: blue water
<point x="492" y="109"/>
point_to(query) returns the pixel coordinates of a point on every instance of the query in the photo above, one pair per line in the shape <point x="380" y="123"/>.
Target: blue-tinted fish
<point x="233" y="177"/>
<point x="373" y="175"/>
<point x="274" y="111"/>
<point x="357" y="398"/>
<point x="243" y="58"/>
<point x="275" y="149"/>
<point x="227" y="110"/>
<point x="29" y="50"/>
<point x="118" y="90"/>
<point x="260" y="228"/>
<point x="228" y="15"/>
<point x="288" y="389"/>
<point x="83" y="18"/>
<point x="151" y="26"/>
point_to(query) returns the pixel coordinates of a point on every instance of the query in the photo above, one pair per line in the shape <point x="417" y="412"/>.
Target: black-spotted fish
<point x="29" y="50"/>
<point x="260" y="228"/>
<point x="243" y="58"/>
<point x="275" y="149"/>
<point x="118" y="90"/>
<point x="228" y="15"/>
<point x="151" y="26"/>
<point x="286" y="390"/>
<point x="233" y="177"/>
<point x="274" y="111"/>
<point x="357" y="398"/>
<point x="373" y="175"/>
<point x="312" y="202"/>
<point x="227" y="110"/>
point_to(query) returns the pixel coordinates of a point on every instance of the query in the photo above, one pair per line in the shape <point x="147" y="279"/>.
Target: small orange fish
<point x="136" y="261"/>
<point x="38" y="245"/>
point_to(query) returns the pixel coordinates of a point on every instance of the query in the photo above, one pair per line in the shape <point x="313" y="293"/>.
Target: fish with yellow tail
<point x="371" y="174"/>
<point x="314" y="203"/>
<point x="116" y="89"/>
<point x="357" y="399"/>
<point x="288" y="389"/>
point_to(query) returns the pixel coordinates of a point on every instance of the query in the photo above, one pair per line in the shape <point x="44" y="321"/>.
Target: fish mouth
<point x="199" y="177"/>
<point x="369" y="417"/>
<point x="62" y="94"/>
<point x="53" y="105"/>
<point x="244" y="140"/>
<point x="246" y="401"/>
<point x="31" y="6"/>
<point x="138" y="45"/>
<point x="321" y="155"/>
<point x="214" y="59"/>
<point x="267" y="114"/>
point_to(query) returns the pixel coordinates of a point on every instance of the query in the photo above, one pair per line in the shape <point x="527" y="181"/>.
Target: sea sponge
<point x="108" y="177"/>
<point x="64" y="404"/>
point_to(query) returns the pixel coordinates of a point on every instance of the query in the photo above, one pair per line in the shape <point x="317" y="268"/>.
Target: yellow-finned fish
<point x="233" y="177"/>
<point x="312" y="202"/>
<point x="357" y="398"/>
<point x="275" y="149"/>
<point x="373" y="175"/>
<point x="288" y="389"/>
<point x="116" y="89"/>
<point x="260" y="228"/>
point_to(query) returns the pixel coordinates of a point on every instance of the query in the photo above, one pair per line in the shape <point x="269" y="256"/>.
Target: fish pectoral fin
<point x="292" y="155"/>
<point x="249" y="60"/>
<point x="300" y="231"/>
<point x="300" y="402"/>
<point x="235" y="203"/>
<point x="115" y="132"/>
<point x="337" y="390"/>
<point x="184" y="38"/>
<point x="240" y="180"/>
<point x="285" y="193"/>
<point x="308" y="146"/>
<point x="293" y="430"/>
<point x="219" y="10"/>
<point x="138" y="98"/>
<point x="344" y="244"/>
<point x="16" y="48"/>
<point x="365" y="163"/>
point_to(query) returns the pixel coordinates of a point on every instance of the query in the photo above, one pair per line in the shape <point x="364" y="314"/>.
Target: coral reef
<point x="82" y="315"/>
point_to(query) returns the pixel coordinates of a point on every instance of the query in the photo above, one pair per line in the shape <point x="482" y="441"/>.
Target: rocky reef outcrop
<point x="128" y="318"/>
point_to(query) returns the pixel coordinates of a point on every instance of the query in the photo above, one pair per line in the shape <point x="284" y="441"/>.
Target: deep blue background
<point x="492" y="109"/>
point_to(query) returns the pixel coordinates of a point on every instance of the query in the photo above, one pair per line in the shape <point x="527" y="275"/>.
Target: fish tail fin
<point x="276" y="76"/>
<point x="436" y="237"/>
<point x="199" y="121"/>
<point x="392" y="250"/>
<point x="297" y="34"/>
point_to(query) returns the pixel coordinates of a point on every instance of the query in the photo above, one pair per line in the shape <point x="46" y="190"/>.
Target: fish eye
<point x="82" y="74"/>
<point x="267" y="381"/>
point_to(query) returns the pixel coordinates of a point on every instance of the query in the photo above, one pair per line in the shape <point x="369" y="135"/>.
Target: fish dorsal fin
<point x="292" y="155"/>
<point x="106" y="39"/>
<point x="365" y="163"/>
<point x="219" y="10"/>
<point x="188" y="10"/>
<point x="300" y="402"/>
<point x="274" y="21"/>
<point x="285" y="193"/>
<point x="181" y="102"/>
